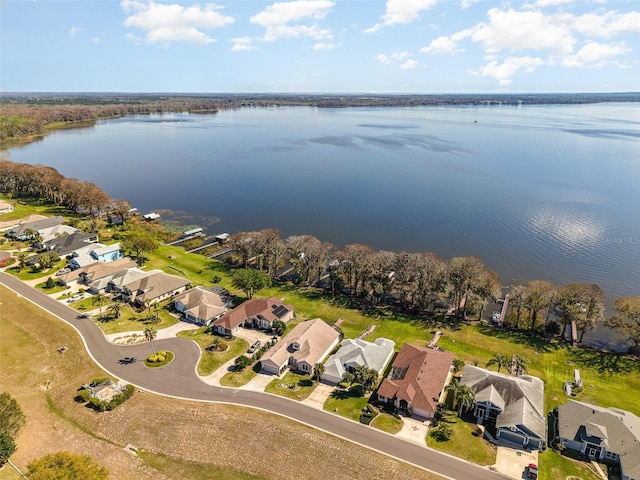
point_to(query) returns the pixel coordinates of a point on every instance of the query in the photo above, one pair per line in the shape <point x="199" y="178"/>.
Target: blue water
<point x="539" y="192"/>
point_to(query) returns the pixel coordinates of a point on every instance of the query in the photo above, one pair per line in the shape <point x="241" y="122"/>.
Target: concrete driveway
<point x="512" y="462"/>
<point x="251" y="335"/>
<point x="414" y="430"/>
<point x="319" y="396"/>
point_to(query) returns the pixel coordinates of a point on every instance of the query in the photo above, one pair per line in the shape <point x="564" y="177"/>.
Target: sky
<point x="320" y="46"/>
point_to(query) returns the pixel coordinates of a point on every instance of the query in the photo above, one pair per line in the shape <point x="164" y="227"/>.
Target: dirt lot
<point x="183" y="440"/>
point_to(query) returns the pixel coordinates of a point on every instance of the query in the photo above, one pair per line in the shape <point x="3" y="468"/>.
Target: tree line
<point x="423" y="283"/>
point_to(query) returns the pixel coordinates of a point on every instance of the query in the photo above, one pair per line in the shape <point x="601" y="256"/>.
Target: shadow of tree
<point x="604" y="362"/>
<point x="520" y="337"/>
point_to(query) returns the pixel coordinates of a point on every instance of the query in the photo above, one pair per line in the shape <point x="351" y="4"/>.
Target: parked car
<point x="78" y="296"/>
<point x="63" y="271"/>
<point x="532" y="470"/>
<point x="254" y="347"/>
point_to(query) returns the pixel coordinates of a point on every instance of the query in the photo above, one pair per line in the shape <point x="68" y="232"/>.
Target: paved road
<point x="179" y="379"/>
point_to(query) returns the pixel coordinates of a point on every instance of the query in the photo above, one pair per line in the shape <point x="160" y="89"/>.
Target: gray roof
<point x="617" y="430"/>
<point x="357" y="353"/>
<point x="522" y="397"/>
<point x="66" y="244"/>
<point x="36" y="225"/>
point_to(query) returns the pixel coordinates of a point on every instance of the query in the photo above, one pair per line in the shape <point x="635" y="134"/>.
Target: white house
<point x="355" y="353"/>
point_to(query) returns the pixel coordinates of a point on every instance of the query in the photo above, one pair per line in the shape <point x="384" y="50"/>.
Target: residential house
<point x="5" y="207"/>
<point x="12" y="224"/>
<point x="106" y="390"/>
<point x="602" y="434"/>
<point x="515" y="405"/>
<point x="51" y="233"/>
<point x="96" y="252"/>
<point x="154" y="288"/>
<point x="257" y="313"/>
<point x="65" y="245"/>
<point x="307" y="344"/>
<point x="18" y="232"/>
<point x="356" y="353"/>
<point x="416" y="383"/>
<point x="98" y="275"/>
<point x="201" y="306"/>
<point x="120" y="279"/>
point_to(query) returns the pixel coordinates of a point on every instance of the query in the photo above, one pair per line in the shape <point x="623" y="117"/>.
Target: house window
<point x="305" y="367"/>
<point x="611" y="455"/>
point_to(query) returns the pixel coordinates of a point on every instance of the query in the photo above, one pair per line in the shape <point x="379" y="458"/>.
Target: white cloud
<point x="409" y="65"/>
<point x="608" y="24"/>
<point x="74" y="31"/>
<point x="552" y="3"/>
<point x="324" y="46"/>
<point x="401" y="12"/>
<point x="464" y="4"/>
<point x="442" y="45"/>
<point x="282" y="19"/>
<point x="595" y="55"/>
<point x="402" y="59"/>
<point x="95" y="40"/>
<point x="166" y="23"/>
<point x="242" y="44"/>
<point x="504" y="71"/>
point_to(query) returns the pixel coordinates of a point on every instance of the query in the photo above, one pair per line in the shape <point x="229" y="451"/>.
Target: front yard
<point x="346" y="403"/>
<point x="211" y="361"/>
<point x="463" y="443"/>
<point x="239" y="379"/>
<point x="292" y="385"/>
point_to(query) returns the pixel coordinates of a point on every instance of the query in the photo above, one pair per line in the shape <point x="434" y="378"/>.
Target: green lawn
<point x="238" y="379"/>
<point x="186" y="469"/>
<point x="346" y="404"/>
<point x="463" y="444"/>
<point x="387" y="423"/>
<point x="129" y="320"/>
<point x="292" y="385"/>
<point x="169" y="356"/>
<point x="211" y="361"/>
<point x="552" y="466"/>
<point x="25" y="274"/>
<point x="55" y="289"/>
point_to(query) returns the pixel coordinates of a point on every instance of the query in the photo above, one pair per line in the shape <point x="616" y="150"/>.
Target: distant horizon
<point x="289" y="93"/>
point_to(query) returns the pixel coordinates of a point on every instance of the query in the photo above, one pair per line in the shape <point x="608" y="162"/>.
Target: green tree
<point x="140" y="244"/>
<point x="458" y="365"/>
<point x="99" y="299"/>
<point x="499" y="360"/>
<point x="441" y="433"/>
<point x="241" y="363"/>
<point x="464" y="398"/>
<point x="366" y="377"/>
<point x="7" y="447"/>
<point x="66" y="466"/>
<point x="522" y="364"/>
<point x="11" y="416"/>
<point x="150" y="333"/>
<point x="627" y="319"/>
<point x="250" y="281"/>
<point x="318" y="371"/>
<point x="114" y="310"/>
<point x="22" y="259"/>
<point x="279" y="327"/>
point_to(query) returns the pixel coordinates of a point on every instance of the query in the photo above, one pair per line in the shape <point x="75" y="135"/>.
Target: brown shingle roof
<point x="418" y="376"/>
<point x="250" y="309"/>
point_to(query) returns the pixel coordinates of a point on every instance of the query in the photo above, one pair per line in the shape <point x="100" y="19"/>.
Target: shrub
<point x="442" y="433"/>
<point x="50" y="282"/>
<point x="217" y="279"/>
<point x="242" y="362"/>
<point x="157" y="357"/>
<point x="7" y="448"/>
<point x="98" y="381"/>
<point x="84" y="394"/>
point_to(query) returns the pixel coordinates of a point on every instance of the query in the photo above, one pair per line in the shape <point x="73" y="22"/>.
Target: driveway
<point x="319" y="396"/>
<point x="414" y="430"/>
<point x="512" y="462"/>
<point x="251" y="335"/>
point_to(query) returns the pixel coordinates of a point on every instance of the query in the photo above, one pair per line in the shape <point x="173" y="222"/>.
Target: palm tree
<point x="150" y="333"/>
<point x="318" y="371"/>
<point x="22" y="259"/>
<point x="458" y="365"/>
<point x="99" y="300"/>
<point x="114" y="310"/>
<point x="499" y="360"/>
<point x="465" y="398"/>
<point x="453" y="386"/>
<point x="521" y="364"/>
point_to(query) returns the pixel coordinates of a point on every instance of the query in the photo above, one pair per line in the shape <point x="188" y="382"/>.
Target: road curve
<point x="179" y="379"/>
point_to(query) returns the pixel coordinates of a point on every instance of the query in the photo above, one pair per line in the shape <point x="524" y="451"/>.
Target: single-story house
<point x="307" y="344"/>
<point x="95" y="252"/>
<point x="106" y="390"/>
<point x="356" y="353"/>
<point x="154" y="288"/>
<point x="98" y="275"/>
<point x="514" y="404"/>
<point x="5" y="207"/>
<point x="18" y="232"/>
<point x="202" y="306"/>
<point x="66" y="244"/>
<point x="602" y="434"/>
<point x="257" y="313"/>
<point x="51" y="233"/>
<point x="122" y="278"/>
<point x="417" y="381"/>
<point x="12" y="224"/>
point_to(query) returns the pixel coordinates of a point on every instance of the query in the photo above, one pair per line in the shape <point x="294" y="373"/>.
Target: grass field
<point x="238" y="379"/>
<point x="175" y="436"/>
<point x="346" y="403"/>
<point x="463" y="443"/>
<point x="211" y="361"/>
<point x="387" y="423"/>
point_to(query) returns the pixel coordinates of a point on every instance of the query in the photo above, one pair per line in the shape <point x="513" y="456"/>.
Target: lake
<point x="539" y="192"/>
